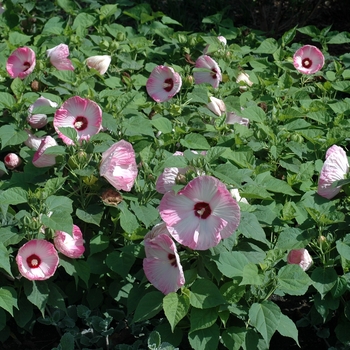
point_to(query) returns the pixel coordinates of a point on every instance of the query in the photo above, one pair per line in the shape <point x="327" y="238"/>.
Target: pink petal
<point x="308" y="59"/>
<point x="41" y="160"/>
<point x="21" y="62"/>
<point x="70" y="245"/>
<point x="300" y="257"/>
<point x="210" y="71"/>
<point x="58" y="57"/>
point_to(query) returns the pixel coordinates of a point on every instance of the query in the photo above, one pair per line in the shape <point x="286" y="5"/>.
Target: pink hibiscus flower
<point x="40" y="159"/>
<point x="100" y="63"/>
<point x="82" y="114"/>
<point x="162" y="265"/>
<point x="300" y="257"/>
<point x="308" y="59"/>
<point x="70" y="245"/>
<point x="58" y="57"/>
<point x="37" y="260"/>
<point x="118" y="165"/>
<point x="12" y="161"/>
<point x="21" y="62"/>
<point x="335" y="167"/>
<point x="39" y="120"/>
<point x="207" y="71"/>
<point x="201" y="214"/>
<point x="163" y="83"/>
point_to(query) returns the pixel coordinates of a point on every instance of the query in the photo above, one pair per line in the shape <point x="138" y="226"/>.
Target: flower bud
<point x="216" y="105"/>
<point x="12" y="161"/>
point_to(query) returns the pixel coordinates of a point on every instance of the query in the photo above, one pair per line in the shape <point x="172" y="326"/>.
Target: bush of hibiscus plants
<point x="164" y="189"/>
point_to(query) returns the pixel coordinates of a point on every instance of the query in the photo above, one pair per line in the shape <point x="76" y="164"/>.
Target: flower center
<point x="168" y="84"/>
<point x="26" y="66"/>
<point x="213" y="73"/>
<point x="33" y="261"/>
<point x="306" y="62"/>
<point x="172" y="260"/>
<point x="80" y="123"/>
<point x="202" y="210"/>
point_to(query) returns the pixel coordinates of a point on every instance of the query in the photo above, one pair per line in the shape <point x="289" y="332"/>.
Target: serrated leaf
<point x="293" y="280"/>
<point x="149" y="306"/>
<point x="8" y="299"/>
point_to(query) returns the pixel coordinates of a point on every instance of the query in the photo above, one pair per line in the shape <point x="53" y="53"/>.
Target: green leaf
<point x="251" y="275"/>
<point x="67" y="341"/>
<point x="146" y="214"/>
<point x="60" y="203"/>
<point x="66" y="76"/>
<point x="128" y="220"/>
<point x="288" y="36"/>
<point x="9" y="136"/>
<point x="18" y="87"/>
<point x="37" y="293"/>
<point x="195" y="142"/>
<point x="292" y="238"/>
<point x="107" y="11"/>
<point x="343" y="247"/>
<point x="83" y="20"/>
<point x="82" y="269"/>
<point x="176" y="307"/>
<point x="8" y="299"/>
<point x="265" y="317"/>
<point x="233" y="337"/>
<point x="59" y="221"/>
<point x="56" y="297"/>
<point x="53" y="185"/>
<point x="149" y="306"/>
<point x="340" y="38"/>
<point x="269" y="45"/>
<point x="199" y="94"/>
<point x="324" y="279"/>
<point x="67" y="5"/>
<point x="310" y="31"/>
<point x="5" y="259"/>
<point x="98" y="244"/>
<point x="162" y="124"/>
<point x="205" y="294"/>
<point x="138" y="125"/>
<point x="154" y="340"/>
<point x="120" y="262"/>
<point x="231" y="264"/>
<point x="250" y="227"/>
<point x="205" y="339"/>
<point x="24" y="313"/>
<point x="7" y="100"/>
<point x="53" y="26"/>
<point x="293" y="280"/>
<point x="202" y="318"/>
<point x="13" y="196"/>
<point x="92" y="215"/>
<point x="287" y="328"/>
<point x="18" y="39"/>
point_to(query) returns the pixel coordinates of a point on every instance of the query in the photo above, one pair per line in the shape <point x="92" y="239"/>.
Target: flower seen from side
<point x="243" y="78"/>
<point x="37" y="260"/>
<point x="39" y="120"/>
<point x="40" y="159"/>
<point x="201" y="214"/>
<point x="70" y="245"/>
<point x="207" y="71"/>
<point x="216" y="105"/>
<point x="12" y="161"/>
<point x="118" y="165"/>
<point x="58" y="56"/>
<point x="163" y="83"/>
<point x="33" y="141"/>
<point x="162" y="264"/>
<point x="82" y="114"/>
<point x="335" y="167"/>
<point x="21" y="62"/>
<point x="308" y="59"/>
<point x="100" y="63"/>
<point x="300" y="257"/>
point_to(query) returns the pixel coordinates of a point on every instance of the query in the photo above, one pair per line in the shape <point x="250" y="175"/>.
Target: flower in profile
<point x="300" y="257"/>
<point x="59" y="57"/>
<point x="216" y="105"/>
<point x="207" y="71"/>
<point x="201" y="214"/>
<point x="21" y="62"/>
<point x="12" y="161"/>
<point x="162" y="264"/>
<point x="37" y="260"/>
<point x="33" y="141"/>
<point x="163" y="83"/>
<point x="40" y="159"/>
<point x="81" y="114"/>
<point x="39" y="120"/>
<point x="70" y="245"/>
<point x="243" y="78"/>
<point x="100" y="63"/>
<point x="118" y="165"/>
<point x="308" y="59"/>
<point x="335" y="167"/>
<point x="233" y="118"/>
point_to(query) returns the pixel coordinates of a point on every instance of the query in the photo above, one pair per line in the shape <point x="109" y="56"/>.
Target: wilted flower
<point x="335" y="167"/>
<point x="308" y="59"/>
<point x="58" y="57"/>
<point x="70" y="245"/>
<point x="33" y="141"/>
<point x="163" y="83"/>
<point x="233" y="118"/>
<point x="216" y="105"/>
<point x="12" y="161"/>
<point x="82" y="114"/>
<point x="118" y="165"/>
<point x="40" y="159"/>
<point x="201" y="214"/>
<point x="100" y="63"/>
<point x="162" y="265"/>
<point x="37" y="260"/>
<point x="300" y="257"/>
<point x="207" y="71"/>
<point x="21" y="62"/>
<point x="39" y="120"/>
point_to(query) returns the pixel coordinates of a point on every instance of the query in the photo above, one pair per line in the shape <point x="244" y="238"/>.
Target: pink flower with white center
<point x="162" y="264"/>
<point x="308" y="59"/>
<point x="300" y="257"/>
<point x="39" y="120"/>
<point x="216" y="105"/>
<point x="201" y="214"/>
<point x="118" y="165"/>
<point x="223" y="41"/>
<point x="37" y="260"/>
<point x="100" y="63"/>
<point x="40" y="159"/>
<point x="12" y="161"/>
<point x="233" y="118"/>
<point x="58" y="57"/>
<point x="82" y="114"/>
<point x="163" y="83"/>
<point x="21" y="62"/>
<point x="335" y="167"/>
<point x="207" y="71"/>
<point x="33" y="141"/>
<point x="70" y="245"/>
